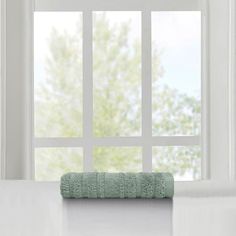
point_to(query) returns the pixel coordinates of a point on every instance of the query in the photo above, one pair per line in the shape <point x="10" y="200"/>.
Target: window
<point x="151" y="146"/>
<point x="117" y="91"/>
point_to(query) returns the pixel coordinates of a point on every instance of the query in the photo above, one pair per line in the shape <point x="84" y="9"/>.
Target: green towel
<point x="117" y="185"/>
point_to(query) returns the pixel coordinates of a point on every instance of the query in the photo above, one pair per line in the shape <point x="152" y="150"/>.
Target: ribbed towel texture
<point x="117" y="185"/>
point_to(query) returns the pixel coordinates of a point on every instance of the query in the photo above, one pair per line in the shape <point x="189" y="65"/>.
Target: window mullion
<point x="204" y="95"/>
<point x="146" y="91"/>
<point x="118" y="141"/>
<point x="87" y="89"/>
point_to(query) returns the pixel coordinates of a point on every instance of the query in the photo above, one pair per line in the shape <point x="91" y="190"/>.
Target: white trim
<point x="118" y="141"/>
<point x="3" y="89"/>
<point x="87" y="89"/>
<point x="232" y="88"/>
<point x="205" y="150"/>
<point x="127" y="5"/>
<point x="146" y="90"/>
<point x="219" y="89"/>
<point x="58" y="142"/>
<point x="29" y="89"/>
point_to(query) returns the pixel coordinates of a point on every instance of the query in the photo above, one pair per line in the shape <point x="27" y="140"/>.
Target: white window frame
<point x="232" y="88"/>
<point x="216" y="139"/>
<point x="2" y="86"/>
<point x="146" y="140"/>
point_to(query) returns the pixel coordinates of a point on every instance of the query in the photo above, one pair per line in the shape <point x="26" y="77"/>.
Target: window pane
<point x="52" y="163"/>
<point x="117" y="73"/>
<point x="58" y="74"/>
<point x="183" y="162"/>
<point x="118" y="159"/>
<point x="176" y="73"/>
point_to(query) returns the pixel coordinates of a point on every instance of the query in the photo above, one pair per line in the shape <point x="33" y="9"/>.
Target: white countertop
<point x="30" y="208"/>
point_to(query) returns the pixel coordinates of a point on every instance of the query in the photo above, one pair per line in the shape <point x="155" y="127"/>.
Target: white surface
<point x="30" y="209"/>
<point x="36" y="208"/>
<point x="212" y="216"/>
<point x="117" y="217"/>
<point x="205" y="188"/>
<point x="219" y="91"/>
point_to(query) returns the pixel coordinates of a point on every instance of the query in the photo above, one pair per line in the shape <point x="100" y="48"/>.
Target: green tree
<point x="117" y="103"/>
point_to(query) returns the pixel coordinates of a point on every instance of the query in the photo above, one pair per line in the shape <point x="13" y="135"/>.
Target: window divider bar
<point x="146" y="91"/>
<point x="87" y="89"/>
<point x="118" y="141"/>
<point x="176" y="141"/>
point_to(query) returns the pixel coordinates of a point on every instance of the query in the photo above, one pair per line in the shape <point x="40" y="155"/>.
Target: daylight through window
<point x="118" y="48"/>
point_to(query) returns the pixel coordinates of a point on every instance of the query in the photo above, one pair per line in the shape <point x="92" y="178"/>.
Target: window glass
<point x="58" y="74"/>
<point x="116" y="92"/>
<point x="117" y="73"/>
<point x="183" y="162"/>
<point x="52" y="163"/>
<point x="118" y="159"/>
<point x="176" y="73"/>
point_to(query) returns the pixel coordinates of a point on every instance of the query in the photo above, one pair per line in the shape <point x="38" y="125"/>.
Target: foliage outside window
<point x="117" y="111"/>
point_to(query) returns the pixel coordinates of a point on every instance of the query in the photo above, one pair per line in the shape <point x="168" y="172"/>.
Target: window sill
<point x="204" y="188"/>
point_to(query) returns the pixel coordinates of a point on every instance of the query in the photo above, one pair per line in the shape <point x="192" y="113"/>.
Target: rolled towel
<point x="117" y="185"/>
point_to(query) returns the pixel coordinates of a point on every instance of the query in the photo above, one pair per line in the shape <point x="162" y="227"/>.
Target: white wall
<point x="18" y="79"/>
